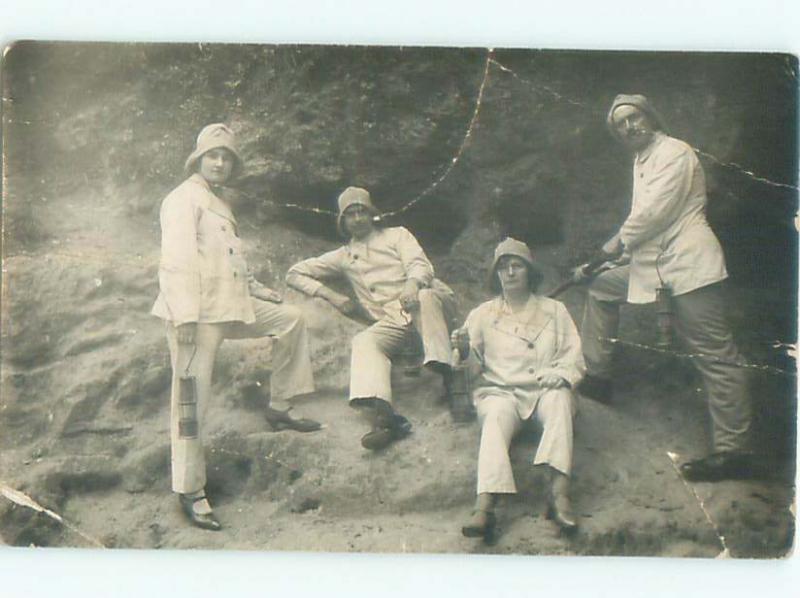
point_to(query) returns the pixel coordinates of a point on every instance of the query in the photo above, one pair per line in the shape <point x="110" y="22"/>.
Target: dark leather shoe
<point x="728" y="465"/>
<point x="202" y="520"/>
<point x="377" y="439"/>
<point x="597" y="388"/>
<point x="281" y="420"/>
<point x="389" y="429"/>
<point x="481" y="525"/>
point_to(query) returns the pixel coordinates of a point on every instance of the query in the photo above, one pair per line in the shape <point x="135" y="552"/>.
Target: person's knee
<point x="606" y="287"/>
<point x="363" y="342"/>
<point x="427" y="296"/>
<point x="556" y="404"/>
<point x="294" y="316"/>
<point x="494" y="413"/>
<point x="598" y="292"/>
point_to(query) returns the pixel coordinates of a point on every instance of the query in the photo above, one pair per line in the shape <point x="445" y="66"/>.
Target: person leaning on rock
<point x="668" y="243"/>
<point x="394" y="284"/>
<point x="525" y="358"/>
<point x="206" y="295"/>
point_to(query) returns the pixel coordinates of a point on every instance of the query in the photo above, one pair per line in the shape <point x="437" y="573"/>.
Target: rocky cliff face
<point x="95" y="135"/>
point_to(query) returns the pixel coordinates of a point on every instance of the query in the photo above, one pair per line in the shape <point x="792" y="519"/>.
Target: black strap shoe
<point x="202" y="520"/>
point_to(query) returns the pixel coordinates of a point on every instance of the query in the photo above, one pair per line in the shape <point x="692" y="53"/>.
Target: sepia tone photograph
<point x="398" y="299"/>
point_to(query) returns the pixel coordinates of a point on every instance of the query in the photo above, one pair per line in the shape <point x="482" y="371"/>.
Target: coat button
<point x="371" y="289"/>
<point x="223" y="227"/>
<point x="530" y="345"/>
<point x="235" y="274"/>
<point x="355" y="257"/>
<point x="230" y="250"/>
<point x="530" y="370"/>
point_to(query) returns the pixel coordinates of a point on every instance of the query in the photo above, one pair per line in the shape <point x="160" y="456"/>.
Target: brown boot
<point x="560" y="507"/>
<point x="481" y="525"/>
<point x="483" y="521"/>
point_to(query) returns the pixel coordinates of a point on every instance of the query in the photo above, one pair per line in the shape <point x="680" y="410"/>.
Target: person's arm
<point x="567" y="363"/>
<point x="417" y="265"/>
<point x="179" y="271"/>
<point x="470" y="337"/>
<point x="659" y="199"/>
<point x="419" y="271"/>
<point x="307" y="277"/>
<point x="613" y="246"/>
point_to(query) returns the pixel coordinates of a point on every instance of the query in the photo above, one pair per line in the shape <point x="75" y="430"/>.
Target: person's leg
<point x="499" y="423"/>
<point x="437" y="308"/>
<point x="371" y="383"/>
<point x="292" y="374"/>
<point x="370" y="361"/>
<point x="192" y="369"/>
<point x="188" y="463"/>
<point x="601" y="321"/>
<point x="700" y="321"/>
<point x="430" y="321"/>
<point x="555" y="411"/>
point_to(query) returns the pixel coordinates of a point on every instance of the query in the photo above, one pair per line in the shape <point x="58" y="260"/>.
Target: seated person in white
<point x="394" y="285"/>
<point x="525" y="356"/>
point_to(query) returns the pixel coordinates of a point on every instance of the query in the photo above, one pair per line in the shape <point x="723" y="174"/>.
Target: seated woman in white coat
<point x="525" y="357"/>
<point x="206" y="295"/>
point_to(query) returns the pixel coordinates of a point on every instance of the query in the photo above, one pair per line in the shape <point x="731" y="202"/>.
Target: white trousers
<point x="291" y="376"/>
<point x="372" y="348"/>
<point x="500" y="421"/>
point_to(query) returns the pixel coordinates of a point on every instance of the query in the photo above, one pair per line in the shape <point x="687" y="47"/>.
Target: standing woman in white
<point x="207" y="295"/>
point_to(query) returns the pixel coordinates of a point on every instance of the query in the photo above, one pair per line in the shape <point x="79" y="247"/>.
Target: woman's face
<point x="216" y="165"/>
<point x="358" y="221"/>
<point x="513" y="274"/>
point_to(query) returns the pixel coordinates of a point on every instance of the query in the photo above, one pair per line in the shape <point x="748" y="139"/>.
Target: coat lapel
<point x="214" y="203"/>
<point x="537" y="319"/>
<point x="529" y="326"/>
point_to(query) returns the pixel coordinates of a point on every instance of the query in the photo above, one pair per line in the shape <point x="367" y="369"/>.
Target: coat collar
<point x="353" y="245"/>
<point x="215" y="204"/>
<point x="642" y="156"/>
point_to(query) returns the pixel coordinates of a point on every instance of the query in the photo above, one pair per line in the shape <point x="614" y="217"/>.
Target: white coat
<point x="666" y="231"/>
<point x="202" y="274"/>
<point x="510" y="352"/>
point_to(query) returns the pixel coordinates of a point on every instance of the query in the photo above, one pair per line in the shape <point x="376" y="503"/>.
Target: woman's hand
<point x="186" y="333"/>
<point x="409" y="298"/>
<point x="613" y="247"/>
<point x="552" y="381"/>
<point x="267" y="294"/>
<point x="459" y="338"/>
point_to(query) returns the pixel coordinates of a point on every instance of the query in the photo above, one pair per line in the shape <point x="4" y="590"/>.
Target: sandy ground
<point x="322" y="491"/>
<point x="84" y="413"/>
